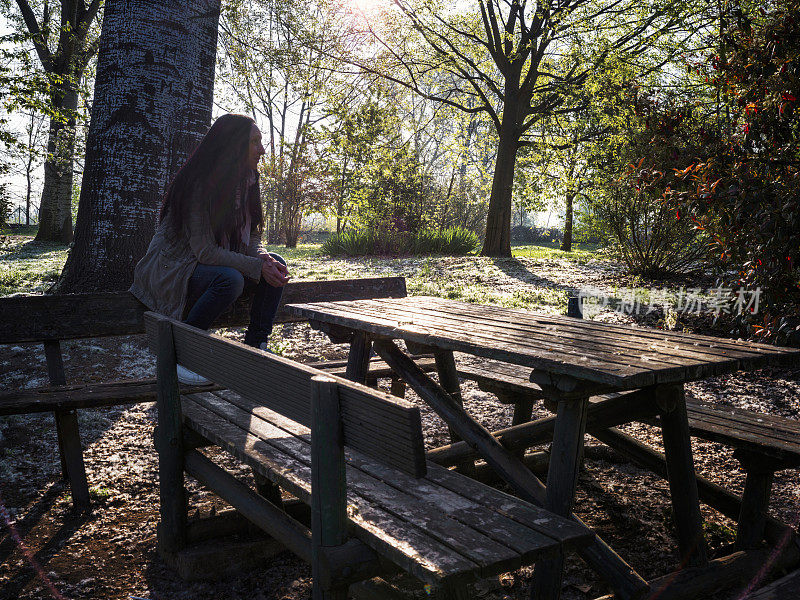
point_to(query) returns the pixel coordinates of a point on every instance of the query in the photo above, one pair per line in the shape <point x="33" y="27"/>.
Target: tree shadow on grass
<point x="513" y="267"/>
<point x="33" y="249"/>
<point x="31" y="569"/>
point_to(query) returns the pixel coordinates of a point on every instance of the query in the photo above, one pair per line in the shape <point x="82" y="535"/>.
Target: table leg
<point x="681" y="475"/>
<point x="626" y="582"/>
<point x="448" y="379"/>
<point x="562" y="479"/>
<point x="358" y="359"/>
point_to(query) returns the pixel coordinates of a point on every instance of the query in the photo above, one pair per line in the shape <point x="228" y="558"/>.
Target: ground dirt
<point x="48" y="551"/>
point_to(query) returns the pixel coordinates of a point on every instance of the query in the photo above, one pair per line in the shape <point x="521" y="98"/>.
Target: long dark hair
<point x="212" y="175"/>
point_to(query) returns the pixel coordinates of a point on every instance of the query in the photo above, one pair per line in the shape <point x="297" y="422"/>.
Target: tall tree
<point x="152" y="104"/>
<point x="515" y="61"/>
<point x="64" y="49"/>
<point x="273" y="62"/>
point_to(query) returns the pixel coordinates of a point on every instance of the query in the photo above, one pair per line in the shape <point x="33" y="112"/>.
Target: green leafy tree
<point x="509" y="60"/>
<point x="64" y="42"/>
<point x="274" y="60"/>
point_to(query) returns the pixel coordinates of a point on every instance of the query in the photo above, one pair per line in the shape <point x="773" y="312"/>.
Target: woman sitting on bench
<point x="206" y="248"/>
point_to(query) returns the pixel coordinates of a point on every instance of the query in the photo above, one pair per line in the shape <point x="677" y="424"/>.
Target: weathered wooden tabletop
<point x="619" y="356"/>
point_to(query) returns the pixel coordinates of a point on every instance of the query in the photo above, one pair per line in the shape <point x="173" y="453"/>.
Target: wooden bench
<point x="763" y="444"/>
<point x="354" y="454"/>
<point x="49" y="320"/>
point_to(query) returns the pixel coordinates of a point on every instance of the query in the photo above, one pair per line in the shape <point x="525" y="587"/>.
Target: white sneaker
<point x="265" y="348"/>
<point x="190" y="377"/>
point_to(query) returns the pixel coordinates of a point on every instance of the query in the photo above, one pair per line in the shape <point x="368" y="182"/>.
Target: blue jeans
<point x="212" y="289"/>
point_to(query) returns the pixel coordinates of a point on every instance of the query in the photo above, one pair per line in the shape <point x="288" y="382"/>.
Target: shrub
<point x="536" y="235"/>
<point x="363" y="242"/>
<point x="650" y="238"/>
<point x="745" y="190"/>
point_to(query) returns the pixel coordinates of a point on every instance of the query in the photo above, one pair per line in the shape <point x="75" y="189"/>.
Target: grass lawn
<point x="26" y="266"/>
<point x="537" y="276"/>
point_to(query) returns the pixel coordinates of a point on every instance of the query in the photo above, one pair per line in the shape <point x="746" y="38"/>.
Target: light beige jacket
<point x="161" y="278"/>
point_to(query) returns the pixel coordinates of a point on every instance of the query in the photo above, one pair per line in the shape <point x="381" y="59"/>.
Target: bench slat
<point x="73" y="316"/>
<point x="786" y="588"/>
<point x="277" y="431"/>
<point x="387" y="534"/>
<point x="285" y="386"/>
<point x="377" y="367"/>
<point x="90" y="395"/>
<point x="528" y="536"/>
<point x="469" y="528"/>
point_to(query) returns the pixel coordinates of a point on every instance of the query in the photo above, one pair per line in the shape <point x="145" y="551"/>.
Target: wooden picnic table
<point x="571" y="360"/>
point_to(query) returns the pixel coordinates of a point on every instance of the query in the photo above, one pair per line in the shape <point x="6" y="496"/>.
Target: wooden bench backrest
<point x="71" y="316"/>
<point x="383" y="426"/>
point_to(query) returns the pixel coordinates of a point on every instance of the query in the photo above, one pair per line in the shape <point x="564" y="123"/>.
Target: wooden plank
<point x="414" y="550"/>
<point x="739" y="568"/>
<point x="588" y="369"/>
<point x="575" y="342"/>
<point x="328" y="484"/>
<point x="68" y="434"/>
<point x="622" y="336"/>
<point x="255" y="509"/>
<point x="377" y="367"/>
<point x="514" y="535"/>
<point x="409" y="323"/>
<point x="786" y="588"/>
<point x="169" y="443"/>
<point x="681" y="477"/>
<point x="625" y="581"/>
<point x="90" y="395"/>
<point x="701" y="343"/>
<point x="285" y="386"/>
<point x="358" y="358"/>
<point x="562" y="481"/>
<point x="55" y="372"/>
<point x="71" y="316"/>
<point x="446" y="325"/>
<point x="373" y="483"/>
<point x="448" y="379"/>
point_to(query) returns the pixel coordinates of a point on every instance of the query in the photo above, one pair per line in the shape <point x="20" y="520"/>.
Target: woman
<point x="206" y="248"/>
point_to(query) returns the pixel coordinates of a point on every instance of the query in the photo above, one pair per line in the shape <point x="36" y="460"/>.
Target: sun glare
<point x="368" y="7"/>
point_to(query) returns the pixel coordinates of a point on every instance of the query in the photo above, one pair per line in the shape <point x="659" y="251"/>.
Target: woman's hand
<point x="274" y="273"/>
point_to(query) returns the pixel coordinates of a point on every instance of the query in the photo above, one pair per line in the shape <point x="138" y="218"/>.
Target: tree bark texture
<point x="566" y="243"/>
<point x="55" y="206"/>
<point x="498" y="221"/>
<point x="152" y="105"/>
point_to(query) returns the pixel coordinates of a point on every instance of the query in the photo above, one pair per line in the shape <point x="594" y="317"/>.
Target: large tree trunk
<point x="152" y="104"/>
<point x="498" y="221"/>
<point x="566" y="243"/>
<point x="55" y="206"/>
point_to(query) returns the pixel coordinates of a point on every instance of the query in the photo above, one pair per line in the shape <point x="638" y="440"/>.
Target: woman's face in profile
<point x="256" y="149"/>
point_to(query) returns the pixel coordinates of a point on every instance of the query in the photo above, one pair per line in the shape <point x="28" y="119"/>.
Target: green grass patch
<point x="580" y="252"/>
<point x="29" y="267"/>
<point x="28" y="230"/>
<point x="369" y="242"/>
